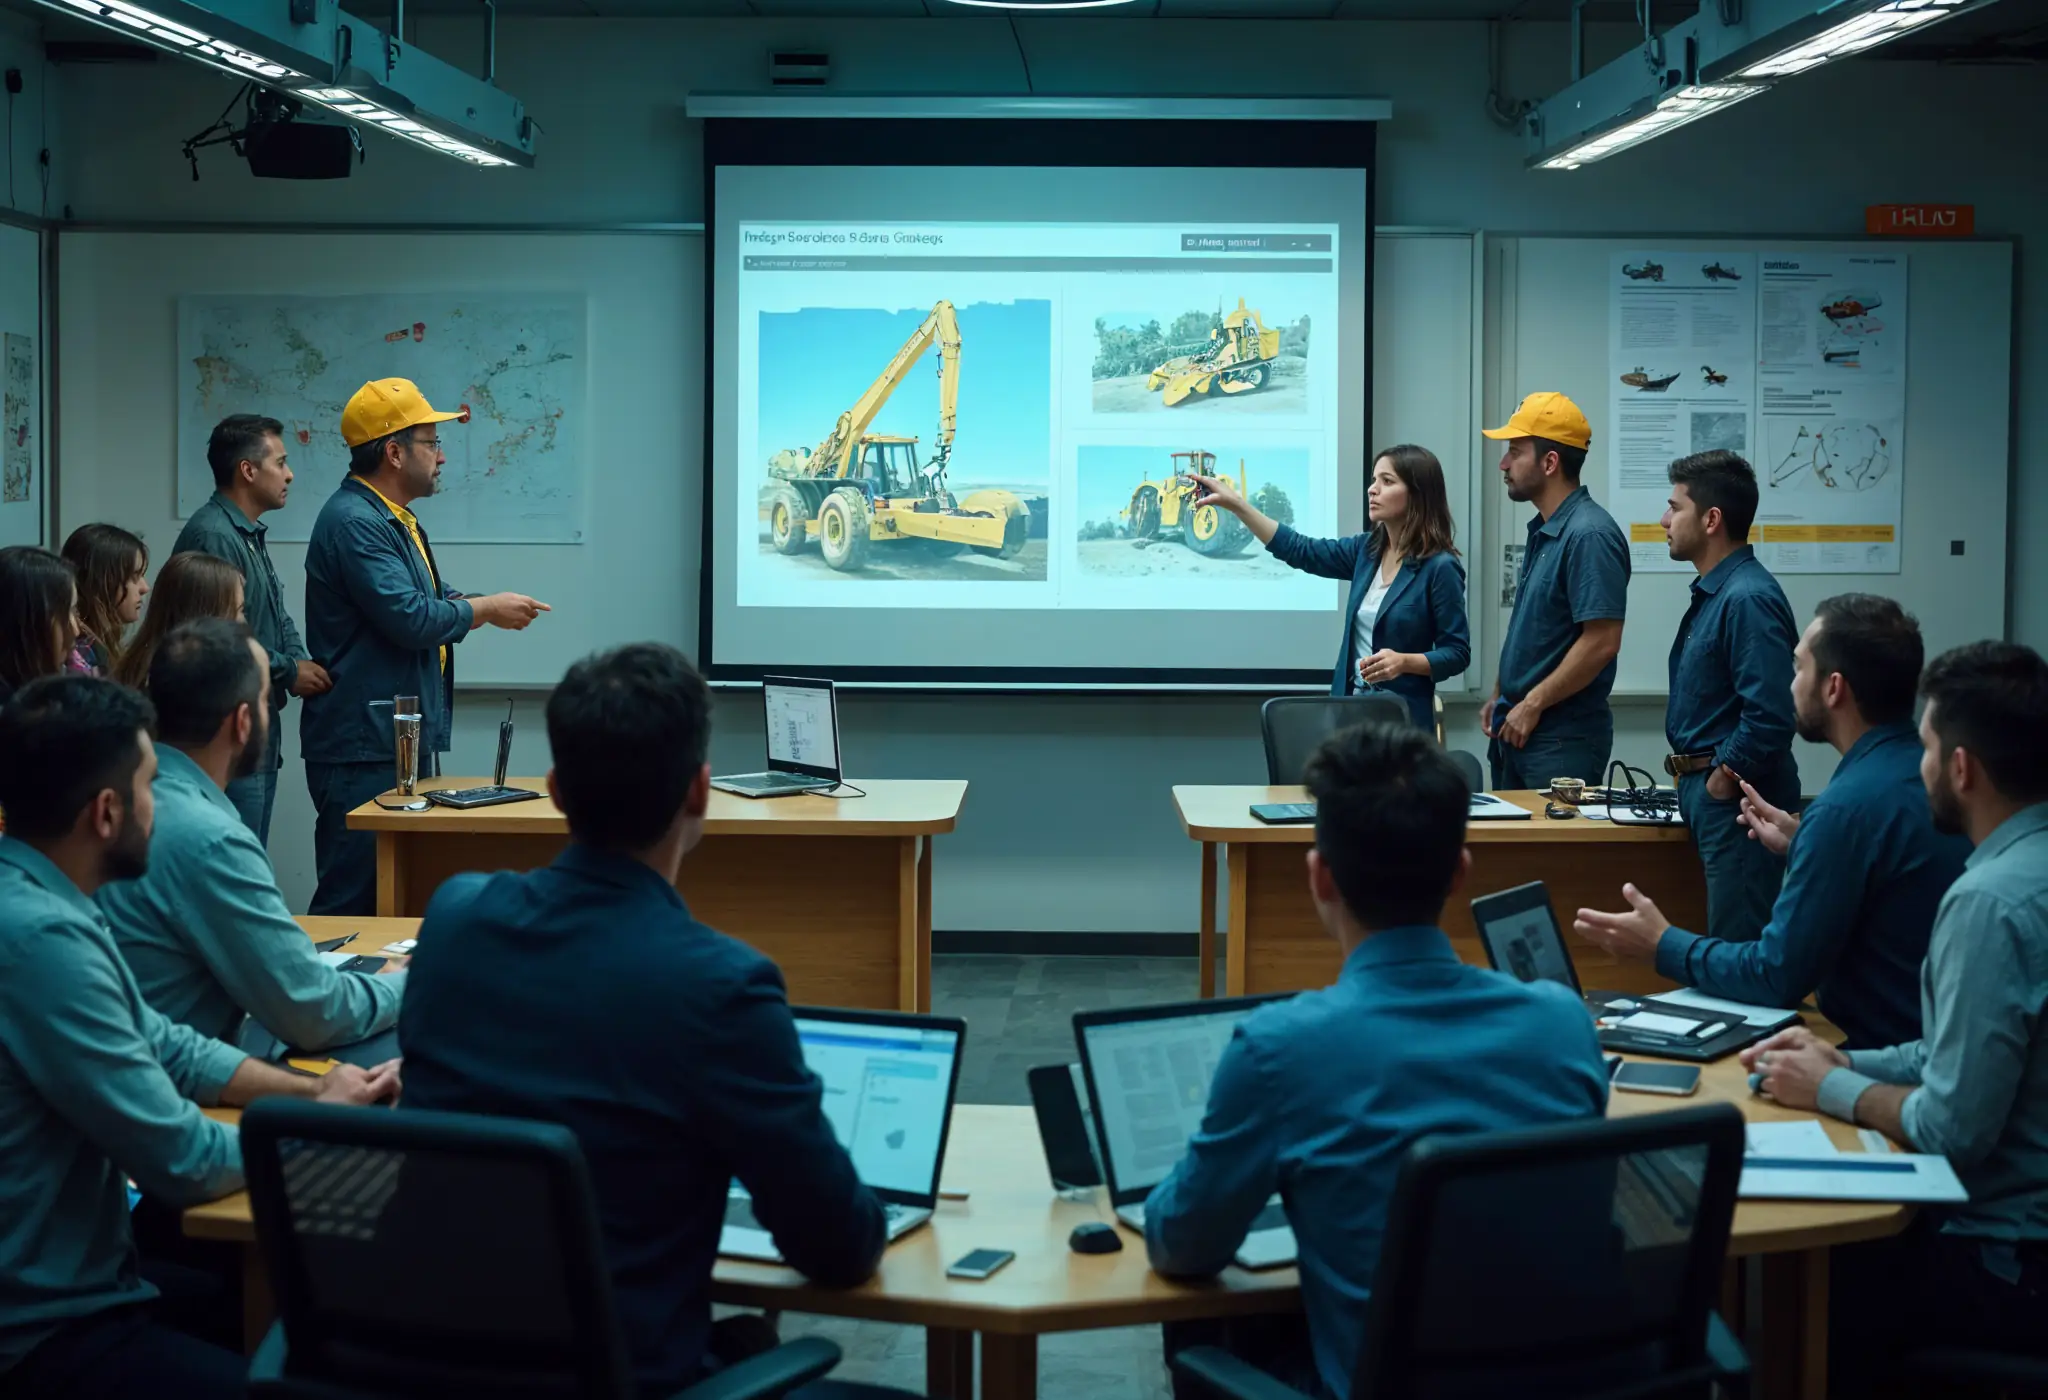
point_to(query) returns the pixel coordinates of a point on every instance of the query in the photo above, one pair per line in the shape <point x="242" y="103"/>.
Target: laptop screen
<point x="886" y="1091"/>
<point x="803" y="731"/>
<point x="1522" y="939"/>
<point x="1151" y="1081"/>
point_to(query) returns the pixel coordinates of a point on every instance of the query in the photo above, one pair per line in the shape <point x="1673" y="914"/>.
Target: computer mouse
<point x="1094" y="1237"/>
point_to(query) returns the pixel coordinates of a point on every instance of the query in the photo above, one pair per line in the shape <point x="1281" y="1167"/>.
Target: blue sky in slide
<point x="816" y="362"/>
<point x="1105" y="477"/>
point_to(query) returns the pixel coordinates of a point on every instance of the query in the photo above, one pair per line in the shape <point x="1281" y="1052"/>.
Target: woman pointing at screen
<point x="1404" y="624"/>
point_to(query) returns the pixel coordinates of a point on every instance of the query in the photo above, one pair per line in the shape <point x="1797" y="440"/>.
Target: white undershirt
<point x="1363" y="623"/>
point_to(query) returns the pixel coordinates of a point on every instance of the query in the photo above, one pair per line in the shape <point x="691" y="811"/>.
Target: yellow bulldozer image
<point x="857" y="489"/>
<point x="1163" y="509"/>
<point x="1238" y="360"/>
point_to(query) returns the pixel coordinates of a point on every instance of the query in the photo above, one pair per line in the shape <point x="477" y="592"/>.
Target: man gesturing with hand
<point x="385" y="621"/>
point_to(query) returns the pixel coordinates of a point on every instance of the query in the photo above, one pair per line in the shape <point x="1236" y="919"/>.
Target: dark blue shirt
<point x="376" y="617"/>
<point x="1574" y="571"/>
<point x="1423" y="612"/>
<point x="583" y="993"/>
<point x="1731" y="670"/>
<point x="1320" y="1097"/>
<point x="219" y="528"/>
<point x="1863" y="880"/>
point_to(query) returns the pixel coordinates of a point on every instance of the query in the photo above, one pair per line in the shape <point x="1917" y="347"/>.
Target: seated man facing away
<point x="1974" y="1088"/>
<point x="585" y="994"/>
<point x="95" y="1086"/>
<point x="206" y="930"/>
<point x="1320" y="1097"/>
<point x="1866" y="868"/>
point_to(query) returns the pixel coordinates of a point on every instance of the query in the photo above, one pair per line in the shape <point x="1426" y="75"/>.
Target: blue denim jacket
<point x="1424" y="611"/>
<point x="376" y="619"/>
<point x="1731" y="670"/>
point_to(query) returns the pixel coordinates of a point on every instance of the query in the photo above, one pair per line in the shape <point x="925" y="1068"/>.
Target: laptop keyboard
<point x="777" y="780"/>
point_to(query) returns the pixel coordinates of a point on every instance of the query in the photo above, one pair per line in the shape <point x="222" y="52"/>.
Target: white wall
<point x="1030" y="852"/>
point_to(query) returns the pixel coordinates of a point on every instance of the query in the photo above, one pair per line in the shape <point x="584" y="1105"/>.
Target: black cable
<point x="10" y="150"/>
<point x="839" y="792"/>
<point x="1022" y="57"/>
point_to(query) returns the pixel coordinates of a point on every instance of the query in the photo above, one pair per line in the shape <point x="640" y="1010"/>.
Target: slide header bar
<point x="1272" y="109"/>
<point x="827" y="262"/>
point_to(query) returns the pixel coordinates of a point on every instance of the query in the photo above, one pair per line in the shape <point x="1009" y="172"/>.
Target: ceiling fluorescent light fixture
<point x="1686" y="104"/>
<point x="1865" y="31"/>
<point x="361" y="109"/>
<point x="165" y="32"/>
<point x="1041" y="4"/>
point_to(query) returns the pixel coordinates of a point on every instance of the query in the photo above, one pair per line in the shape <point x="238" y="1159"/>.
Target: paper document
<point x="1746" y="1011"/>
<point x="1803" y="1139"/>
<point x="1850" y="1176"/>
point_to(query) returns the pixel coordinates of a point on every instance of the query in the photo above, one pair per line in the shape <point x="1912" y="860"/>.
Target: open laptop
<point x="1485" y="807"/>
<point x="803" y="740"/>
<point x="889" y="1084"/>
<point x="1521" y="938"/>
<point x="1148" y="1071"/>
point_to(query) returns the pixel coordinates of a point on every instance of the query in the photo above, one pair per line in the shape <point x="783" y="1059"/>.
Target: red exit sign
<point x="1920" y="220"/>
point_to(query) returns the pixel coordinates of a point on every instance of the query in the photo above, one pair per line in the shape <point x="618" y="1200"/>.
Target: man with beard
<point x="1865" y="868"/>
<point x="384" y="621"/>
<point x="96" y="1087"/>
<point x="1974" y="1088"/>
<point x="1729" y="716"/>
<point x="1548" y="715"/>
<point x="206" y="931"/>
<point x="252" y="476"/>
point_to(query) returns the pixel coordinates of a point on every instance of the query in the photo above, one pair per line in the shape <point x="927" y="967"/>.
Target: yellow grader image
<point x="1162" y="509"/>
<point x="858" y="489"/>
<point x="1237" y="361"/>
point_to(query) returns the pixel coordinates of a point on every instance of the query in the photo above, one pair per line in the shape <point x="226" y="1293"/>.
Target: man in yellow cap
<point x="383" y="621"/>
<point x="1548" y="715"/>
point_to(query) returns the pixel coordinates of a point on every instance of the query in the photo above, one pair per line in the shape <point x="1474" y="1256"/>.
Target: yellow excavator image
<point x="857" y="488"/>
<point x="1238" y="360"/>
<point x="1162" y="508"/>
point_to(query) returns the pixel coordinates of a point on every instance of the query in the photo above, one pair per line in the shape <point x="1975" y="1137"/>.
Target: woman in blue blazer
<point x="1405" y="626"/>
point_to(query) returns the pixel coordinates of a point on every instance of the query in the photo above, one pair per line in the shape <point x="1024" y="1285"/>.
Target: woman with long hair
<point x="190" y="585"/>
<point x="38" y="616"/>
<point x="113" y="578"/>
<point x="1405" y="626"/>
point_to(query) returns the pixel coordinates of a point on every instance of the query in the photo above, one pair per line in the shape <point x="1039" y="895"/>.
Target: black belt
<point x="1678" y="765"/>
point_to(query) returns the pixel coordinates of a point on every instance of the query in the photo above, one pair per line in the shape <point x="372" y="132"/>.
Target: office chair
<point x="1469" y="769"/>
<point x="1577" y="1259"/>
<point x="445" y="1254"/>
<point x="1295" y="725"/>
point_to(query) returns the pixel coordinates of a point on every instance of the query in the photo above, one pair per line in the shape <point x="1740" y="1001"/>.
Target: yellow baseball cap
<point x="1550" y="415"/>
<point x="386" y="406"/>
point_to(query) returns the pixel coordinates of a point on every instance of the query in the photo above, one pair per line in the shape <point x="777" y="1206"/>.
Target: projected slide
<point x="959" y="415"/>
<point x="981" y="415"/>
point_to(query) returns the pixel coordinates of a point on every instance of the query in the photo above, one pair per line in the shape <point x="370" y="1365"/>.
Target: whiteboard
<point x="1551" y="297"/>
<point x="634" y="576"/>
<point x="23" y="482"/>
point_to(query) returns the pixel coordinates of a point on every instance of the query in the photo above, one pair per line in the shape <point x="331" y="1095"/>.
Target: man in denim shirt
<point x="1548" y="716"/>
<point x="1865" y="869"/>
<point x="252" y="476"/>
<point x="1729" y="717"/>
<point x="1974" y="1087"/>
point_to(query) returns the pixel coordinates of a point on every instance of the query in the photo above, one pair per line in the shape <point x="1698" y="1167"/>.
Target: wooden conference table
<point x="838" y="891"/>
<point x="993" y="1156"/>
<point x="1273" y="942"/>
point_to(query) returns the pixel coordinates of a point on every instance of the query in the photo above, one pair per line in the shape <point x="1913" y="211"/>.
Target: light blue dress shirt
<point x="1319" y="1098"/>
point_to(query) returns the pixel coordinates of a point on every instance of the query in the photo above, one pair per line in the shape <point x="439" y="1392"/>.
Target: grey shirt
<point x="1980" y="1072"/>
<point x="209" y="937"/>
<point x="94" y="1087"/>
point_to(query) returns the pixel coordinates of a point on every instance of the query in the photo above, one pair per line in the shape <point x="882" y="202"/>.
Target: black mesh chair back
<point x="1579" y="1260"/>
<point x="432" y="1253"/>
<point x="1296" y="725"/>
<point x="1469" y="769"/>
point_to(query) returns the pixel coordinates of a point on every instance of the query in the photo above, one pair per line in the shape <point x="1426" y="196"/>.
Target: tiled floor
<point x="1019" y="1013"/>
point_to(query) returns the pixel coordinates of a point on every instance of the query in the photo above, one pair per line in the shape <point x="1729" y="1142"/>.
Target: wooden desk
<point x="837" y="891"/>
<point x="993" y="1154"/>
<point x="1274" y="943"/>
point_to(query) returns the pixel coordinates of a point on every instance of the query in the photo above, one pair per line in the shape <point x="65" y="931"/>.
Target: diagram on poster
<point x="1794" y="361"/>
<point x="1682" y="342"/>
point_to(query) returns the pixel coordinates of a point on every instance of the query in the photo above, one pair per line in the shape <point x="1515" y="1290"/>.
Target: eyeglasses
<point x="432" y="444"/>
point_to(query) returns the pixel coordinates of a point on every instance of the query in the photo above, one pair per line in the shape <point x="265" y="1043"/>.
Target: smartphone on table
<point x="980" y="1263"/>
<point x="1645" y="1077"/>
